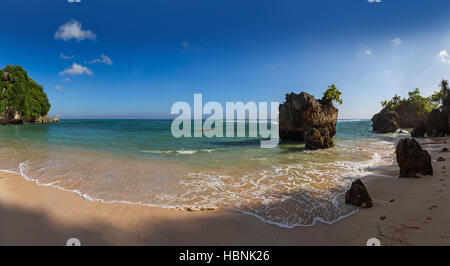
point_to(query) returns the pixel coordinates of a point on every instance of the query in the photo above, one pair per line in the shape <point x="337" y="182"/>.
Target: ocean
<point x="140" y="162"/>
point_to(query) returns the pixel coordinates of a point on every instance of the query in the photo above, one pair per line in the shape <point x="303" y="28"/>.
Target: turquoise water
<point x="139" y="161"/>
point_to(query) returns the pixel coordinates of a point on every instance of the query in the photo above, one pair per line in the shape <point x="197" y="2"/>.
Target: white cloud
<point x="77" y="69"/>
<point x="74" y="1"/>
<point x="103" y="59"/>
<point x="444" y="57"/>
<point x="66" y="57"/>
<point x="374" y="1"/>
<point x="387" y="72"/>
<point x="396" y="41"/>
<point x="67" y="80"/>
<point x="73" y="30"/>
<point x="188" y="46"/>
<point x="369" y="52"/>
<point x="58" y="88"/>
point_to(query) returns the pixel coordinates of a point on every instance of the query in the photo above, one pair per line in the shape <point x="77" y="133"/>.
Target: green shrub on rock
<point x="21" y="94"/>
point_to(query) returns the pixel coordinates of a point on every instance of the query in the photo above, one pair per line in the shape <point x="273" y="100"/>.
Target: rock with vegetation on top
<point x="301" y="113"/>
<point x="406" y="112"/>
<point x="412" y="159"/>
<point x="386" y="121"/>
<point x="358" y="195"/>
<point x="22" y="100"/>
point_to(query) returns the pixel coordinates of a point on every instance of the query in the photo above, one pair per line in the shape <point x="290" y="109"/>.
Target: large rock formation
<point x="306" y="119"/>
<point x="386" y="121"/>
<point x="22" y="99"/>
<point x="389" y="120"/>
<point x="412" y="159"/>
<point x="437" y="124"/>
<point x="358" y="195"/>
<point x="434" y="125"/>
<point x="420" y="129"/>
<point x="319" y="139"/>
<point x="408" y="117"/>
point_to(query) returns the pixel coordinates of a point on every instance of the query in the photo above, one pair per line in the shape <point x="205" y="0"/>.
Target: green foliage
<point x="332" y="94"/>
<point x="422" y="105"/>
<point x="20" y="93"/>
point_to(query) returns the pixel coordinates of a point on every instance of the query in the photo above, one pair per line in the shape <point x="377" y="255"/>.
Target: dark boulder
<point x="386" y="121"/>
<point x="358" y="195"/>
<point x="419" y="130"/>
<point x="319" y="139"/>
<point x="412" y="159"/>
<point x="437" y="124"/>
<point x="434" y="125"/>
<point x="301" y="113"/>
<point x="408" y="117"/>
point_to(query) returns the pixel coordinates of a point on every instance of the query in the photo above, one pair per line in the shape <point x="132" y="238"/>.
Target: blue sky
<point x="134" y="59"/>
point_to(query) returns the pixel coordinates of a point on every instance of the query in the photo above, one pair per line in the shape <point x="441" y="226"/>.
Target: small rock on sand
<point x="358" y="195"/>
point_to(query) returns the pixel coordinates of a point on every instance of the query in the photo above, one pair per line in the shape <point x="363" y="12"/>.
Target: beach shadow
<point x="20" y="227"/>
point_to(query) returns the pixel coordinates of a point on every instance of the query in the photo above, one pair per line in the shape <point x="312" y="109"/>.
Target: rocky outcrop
<point x="18" y="120"/>
<point x="437" y="124"/>
<point x="304" y="118"/>
<point x="420" y="129"/>
<point x="358" y="195"/>
<point x="412" y="159"/>
<point x="319" y="139"/>
<point x="389" y="120"/>
<point x="385" y="121"/>
<point x="10" y="117"/>
<point x="434" y="125"/>
<point x="408" y="117"/>
<point x="22" y="98"/>
<point x="45" y="119"/>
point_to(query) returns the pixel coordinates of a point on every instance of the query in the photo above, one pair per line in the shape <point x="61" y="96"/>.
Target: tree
<point x="332" y="94"/>
<point x="421" y="105"/>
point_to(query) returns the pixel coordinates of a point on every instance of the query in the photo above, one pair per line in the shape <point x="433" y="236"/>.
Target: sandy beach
<point x="405" y="212"/>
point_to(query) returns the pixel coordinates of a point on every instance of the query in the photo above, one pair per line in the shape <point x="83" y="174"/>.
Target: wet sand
<point x="405" y="212"/>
